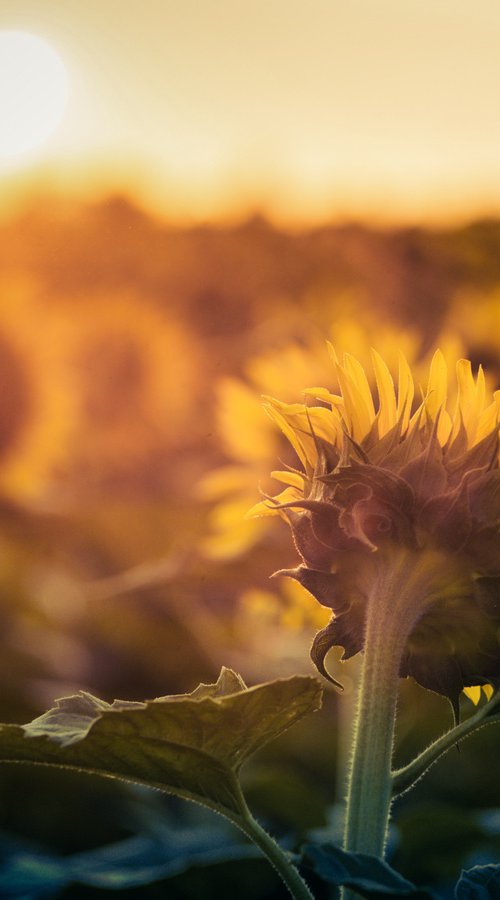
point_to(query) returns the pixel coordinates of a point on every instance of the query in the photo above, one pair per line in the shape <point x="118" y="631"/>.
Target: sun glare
<point x="33" y="93"/>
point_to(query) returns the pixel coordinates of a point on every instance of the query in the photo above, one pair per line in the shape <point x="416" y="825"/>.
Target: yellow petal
<point x="331" y="353"/>
<point x="269" y="507"/>
<point x="444" y="426"/>
<point x="437" y="385"/>
<point x="466" y="385"/>
<point x="480" y="389"/>
<point x="468" y="409"/>
<point x="489" y="418"/>
<point x="488" y="690"/>
<point x="288" y="431"/>
<point x="358" y="403"/>
<point x="473" y="693"/>
<point x="326" y="423"/>
<point x="323" y="394"/>
<point x="287" y="409"/>
<point x="302" y="425"/>
<point x="387" y="415"/>
<point x="406" y="391"/>
<point x="354" y="368"/>
<point x="293" y="479"/>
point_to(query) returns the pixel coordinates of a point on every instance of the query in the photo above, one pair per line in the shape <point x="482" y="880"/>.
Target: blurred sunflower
<point x="136" y="369"/>
<point x="270" y="629"/>
<point x="400" y="503"/>
<point x="284" y="608"/>
<point x="476" y="316"/>
<point x="37" y="410"/>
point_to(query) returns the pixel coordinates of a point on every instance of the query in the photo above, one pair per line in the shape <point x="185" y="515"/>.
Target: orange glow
<point x="307" y="112"/>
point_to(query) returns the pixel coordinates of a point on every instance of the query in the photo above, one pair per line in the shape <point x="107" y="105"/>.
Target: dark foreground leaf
<point x="192" y="745"/>
<point x="479" y="883"/>
<point x="135" y="862"/>
<point x="368" y="875"/>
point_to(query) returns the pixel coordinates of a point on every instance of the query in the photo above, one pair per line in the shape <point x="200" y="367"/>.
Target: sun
<point x="34" y="90"/>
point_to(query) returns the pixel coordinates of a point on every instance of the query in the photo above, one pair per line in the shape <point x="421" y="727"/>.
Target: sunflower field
<point x="184" y="413"/>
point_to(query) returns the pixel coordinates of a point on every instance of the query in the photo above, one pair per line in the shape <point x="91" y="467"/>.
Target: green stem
<point x="394" y="605"/>
<point x="403" y="779"/>
<point x="369" y="785"/>
<point x="278" y="858"/>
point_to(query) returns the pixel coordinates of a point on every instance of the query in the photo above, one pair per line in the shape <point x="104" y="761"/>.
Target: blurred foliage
<point x="132" y="359"/>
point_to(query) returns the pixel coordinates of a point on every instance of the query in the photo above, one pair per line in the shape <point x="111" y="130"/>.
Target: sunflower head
<point x="386" y="481"/>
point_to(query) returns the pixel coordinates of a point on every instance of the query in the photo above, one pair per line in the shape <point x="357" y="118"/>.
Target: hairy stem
<point x="394" y="605"/>
<point x="278" y="857"/>
<point x="369" y="785"/>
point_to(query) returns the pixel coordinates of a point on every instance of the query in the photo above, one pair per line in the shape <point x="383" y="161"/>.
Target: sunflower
<point x="37" y="409"/>
<point x="284" y="607"/>
<point x="249" y="439"/>
<point x="400" y="502"/>
<point x="251" y="442"/>
<point x="476" y="316"/>
<point x="132" y="366"/>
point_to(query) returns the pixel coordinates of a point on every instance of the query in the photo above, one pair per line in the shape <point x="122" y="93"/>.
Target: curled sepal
<point x="345" y="592"/>
<point x="339" y="592"/>
<point x="326" y="587"/>
<point x="321" y="645"/>
<point x="192" y="745"/>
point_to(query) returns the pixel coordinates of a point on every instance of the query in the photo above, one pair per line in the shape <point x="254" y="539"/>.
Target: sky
<point x="304" y="109"/>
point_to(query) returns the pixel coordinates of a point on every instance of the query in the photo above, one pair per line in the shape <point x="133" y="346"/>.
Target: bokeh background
<point x="232" y="184"/>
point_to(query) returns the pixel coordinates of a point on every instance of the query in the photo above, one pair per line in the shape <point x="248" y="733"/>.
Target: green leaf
<point x="368" y="875"/>
<point x="192" y="745"/>
<point x="479" y="883"/>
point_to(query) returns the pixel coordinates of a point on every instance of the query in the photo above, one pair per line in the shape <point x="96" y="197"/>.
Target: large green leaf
<point x="192" y="745"/>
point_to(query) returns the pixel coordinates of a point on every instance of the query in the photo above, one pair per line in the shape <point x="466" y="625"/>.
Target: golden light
<point x="33" y="92"/>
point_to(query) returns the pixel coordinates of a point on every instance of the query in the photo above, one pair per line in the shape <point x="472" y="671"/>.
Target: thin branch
<point x="403" y="779"/>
